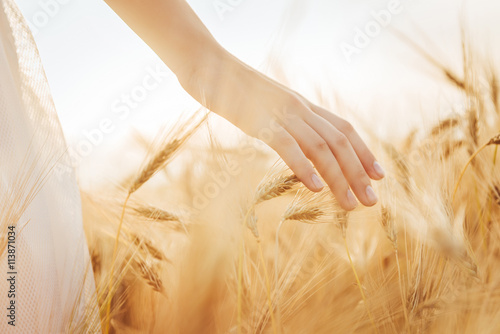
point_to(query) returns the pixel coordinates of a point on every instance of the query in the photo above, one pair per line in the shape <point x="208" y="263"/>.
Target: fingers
<point x="371" y="166"/>
<point x="288" y="149"/>
<point x="336" y="161"/>
<point x="341" y="148"/>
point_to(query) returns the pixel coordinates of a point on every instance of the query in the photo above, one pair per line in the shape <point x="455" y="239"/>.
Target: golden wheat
<point x="423" y="261"/>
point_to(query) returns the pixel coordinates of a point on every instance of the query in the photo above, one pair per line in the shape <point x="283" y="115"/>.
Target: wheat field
<point x="218" y="239"/>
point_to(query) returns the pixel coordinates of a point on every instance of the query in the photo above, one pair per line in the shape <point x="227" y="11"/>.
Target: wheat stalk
<point x="493" y="141"/>
<point x="300" y="213"/>
<point x="387" y="221"/>
<point x="158" y="162"/>
<point x="274" y="186"/>
<point x="307" y="207"/>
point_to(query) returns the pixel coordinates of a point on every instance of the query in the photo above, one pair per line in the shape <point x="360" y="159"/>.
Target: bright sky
<point x="94" y="61"/>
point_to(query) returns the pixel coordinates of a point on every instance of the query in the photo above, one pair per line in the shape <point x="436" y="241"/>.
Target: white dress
<point x="47" y="282"/>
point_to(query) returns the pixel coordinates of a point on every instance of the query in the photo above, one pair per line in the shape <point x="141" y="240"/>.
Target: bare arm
<point x="171" y="29"/>
<point x="295" y="128"/>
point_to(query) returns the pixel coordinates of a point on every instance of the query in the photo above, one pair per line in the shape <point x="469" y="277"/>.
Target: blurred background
<point x="347" y="55"/>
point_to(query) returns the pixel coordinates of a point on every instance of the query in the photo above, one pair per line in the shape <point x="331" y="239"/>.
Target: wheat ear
<point x="151" y="277"/>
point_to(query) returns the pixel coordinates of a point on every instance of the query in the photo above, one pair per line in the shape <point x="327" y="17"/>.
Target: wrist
<point x="214" y="79"/>
<point x="203" y="67"/>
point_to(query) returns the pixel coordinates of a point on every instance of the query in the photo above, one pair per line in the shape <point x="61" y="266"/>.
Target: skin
<point x="302" y="133"/>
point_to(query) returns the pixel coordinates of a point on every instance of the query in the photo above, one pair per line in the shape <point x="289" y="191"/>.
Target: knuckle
<point x="346" y="127"/>
<point x="341" y="141"/>
<point x="284" y="141"/>
<point x="316" y="148"/>
<point x="320" y="145"/>
<point x="296" y="107"/>
<point x="307" y="114"/>
<point x="295" y="101"/>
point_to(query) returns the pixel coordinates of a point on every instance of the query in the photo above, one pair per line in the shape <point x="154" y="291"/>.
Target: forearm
<point x="173" y="31"/>
<point x="204" y="69"/>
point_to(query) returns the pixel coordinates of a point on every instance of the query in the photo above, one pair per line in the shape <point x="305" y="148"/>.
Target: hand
<point x="299" y="131"/>
<point x="256" y="104"/>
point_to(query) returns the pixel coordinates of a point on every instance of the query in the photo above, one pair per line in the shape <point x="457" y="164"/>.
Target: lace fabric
<point x="53" y="286"/>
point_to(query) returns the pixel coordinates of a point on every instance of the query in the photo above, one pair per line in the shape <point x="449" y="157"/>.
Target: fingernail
<point x="378" y="169"/>
<point x="317" y="182"/>
<point x="351" y="199"/>
<point x="370" y="194"/>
